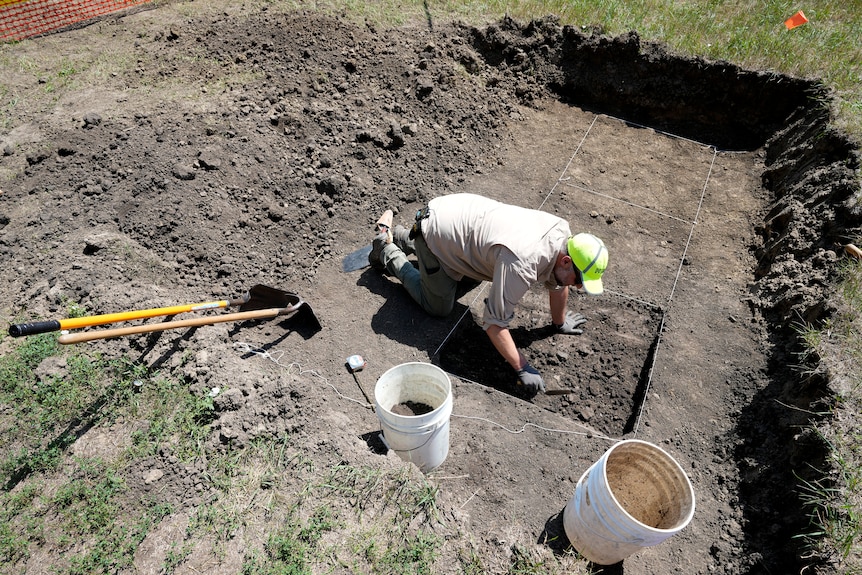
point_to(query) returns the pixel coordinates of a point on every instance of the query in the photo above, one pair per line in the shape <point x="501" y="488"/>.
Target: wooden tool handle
<point x="32" y="328"/>
<point x="148" y="328"/>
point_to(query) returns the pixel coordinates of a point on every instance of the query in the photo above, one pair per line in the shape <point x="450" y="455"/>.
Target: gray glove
<point x="571" y="324"/>
<point x="530" y="379"/>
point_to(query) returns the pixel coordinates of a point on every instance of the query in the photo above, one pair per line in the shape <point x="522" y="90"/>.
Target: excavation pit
<point x="604" y="371"/>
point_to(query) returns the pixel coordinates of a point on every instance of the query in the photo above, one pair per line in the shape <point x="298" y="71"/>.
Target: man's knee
<point x="439" y="308"/>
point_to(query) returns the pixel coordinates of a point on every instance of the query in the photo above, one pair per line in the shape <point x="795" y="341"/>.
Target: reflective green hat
<point x="590" y="256"/>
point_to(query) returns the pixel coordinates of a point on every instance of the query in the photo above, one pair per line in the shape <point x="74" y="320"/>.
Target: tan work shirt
<point x="509" y="246"/>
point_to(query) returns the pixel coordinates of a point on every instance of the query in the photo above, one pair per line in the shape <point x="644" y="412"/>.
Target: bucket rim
<point x="648" y="528"/>
<point x="432" y="418"/>
<point x="424" y="365"/>
<point x="409" y="363"/>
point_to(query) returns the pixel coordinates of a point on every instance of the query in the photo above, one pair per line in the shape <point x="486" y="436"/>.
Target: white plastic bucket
<point x="634" y="496"/>
<point x="420" y="439"/>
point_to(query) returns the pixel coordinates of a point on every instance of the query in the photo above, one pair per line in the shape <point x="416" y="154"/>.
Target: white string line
<point x="669" y="134"/>
<point x="275" y="357"/>
<point x="670" y="298"/>
<point x="693" y="225"/>
<point x="460" y="319"/>
<point x="589" y="434"/>
<point x="571" y="159"/>
<point x="565" y="181"/>
<point x="632" y="204"/>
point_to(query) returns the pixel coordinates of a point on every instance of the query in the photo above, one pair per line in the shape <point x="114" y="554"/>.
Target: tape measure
<point x="355" y="363"/>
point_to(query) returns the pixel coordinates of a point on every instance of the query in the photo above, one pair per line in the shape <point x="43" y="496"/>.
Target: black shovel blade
<point x="356" y="260"/>
<point x="305" y="317"/>
<point x="265" y="297"/>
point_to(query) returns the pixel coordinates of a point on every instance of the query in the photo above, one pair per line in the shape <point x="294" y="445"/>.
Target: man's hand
<point x="531" y="380"/>
<point x="571" y="324"/>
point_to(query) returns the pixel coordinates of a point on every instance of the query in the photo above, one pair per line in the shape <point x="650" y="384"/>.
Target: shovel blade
<point x="305" y="316"/>
<point x="356" y="260"/>
<point x="265" y="297"/>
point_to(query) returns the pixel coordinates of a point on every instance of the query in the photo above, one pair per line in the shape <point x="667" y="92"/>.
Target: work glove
<point x="571" y="324"/>
<point x="531" y="380"/>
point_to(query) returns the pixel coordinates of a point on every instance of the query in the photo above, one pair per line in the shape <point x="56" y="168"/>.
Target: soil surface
<point x="244" y="146"/>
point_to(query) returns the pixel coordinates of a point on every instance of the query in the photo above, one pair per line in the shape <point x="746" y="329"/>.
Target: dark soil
<point x="250" y="146"/>
<point x="411" y="408"/>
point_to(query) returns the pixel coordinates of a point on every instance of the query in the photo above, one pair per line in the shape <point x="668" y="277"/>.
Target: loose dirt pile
<point x="257" y="147"/>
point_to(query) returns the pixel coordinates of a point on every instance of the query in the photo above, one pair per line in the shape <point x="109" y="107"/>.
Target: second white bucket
<point x="420" y="439"/>
<point x="634" y="496"/>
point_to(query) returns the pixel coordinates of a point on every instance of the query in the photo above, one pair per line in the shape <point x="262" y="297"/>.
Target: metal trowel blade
<point x="356" y="260"/>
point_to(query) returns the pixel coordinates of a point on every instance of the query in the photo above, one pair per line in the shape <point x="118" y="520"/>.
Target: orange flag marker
<point x="797" y="19"/>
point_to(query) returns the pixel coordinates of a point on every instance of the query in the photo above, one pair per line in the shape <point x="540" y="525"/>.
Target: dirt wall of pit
<point x="709" y="101"/>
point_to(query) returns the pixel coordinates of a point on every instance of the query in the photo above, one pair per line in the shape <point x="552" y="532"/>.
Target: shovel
<point x="255" y="307"/>
<point x="290" y="310"/>
<point x="259" y="297"/>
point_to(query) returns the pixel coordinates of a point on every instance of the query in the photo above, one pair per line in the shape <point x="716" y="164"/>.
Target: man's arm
<point x="530" y="379"/>
<point x="508" y="287"/>
<point x="502" y="339"/>
<point x="505" y="345"/>
<point x="558" y="302"/>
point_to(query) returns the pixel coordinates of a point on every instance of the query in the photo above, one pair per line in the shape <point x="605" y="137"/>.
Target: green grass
<point x="91" y="507"/>
<point x="83" y="509"/>
<point x="48" y="412"/>
<point x="292" y="547"/>
<point x="834" y="506"/>
<point x="82" y="505"/>
<point x="175" y="416"/>
<point x="834" y="500"/>
<point x="30" y="405"/>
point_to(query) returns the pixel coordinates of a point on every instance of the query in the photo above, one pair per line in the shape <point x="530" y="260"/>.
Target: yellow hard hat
<point x="590" y="256"/>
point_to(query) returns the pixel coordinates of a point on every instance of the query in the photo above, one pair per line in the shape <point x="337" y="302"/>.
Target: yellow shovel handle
<point x="76" y="322"/>
<point x="32" y="328"/>
<point x="147" y="328"/>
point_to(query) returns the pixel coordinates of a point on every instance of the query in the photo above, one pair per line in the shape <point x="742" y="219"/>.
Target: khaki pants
<point x="429" y="286"/>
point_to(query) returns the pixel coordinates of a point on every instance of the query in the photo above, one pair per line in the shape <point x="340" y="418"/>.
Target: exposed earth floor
<point x="242" y="146"/>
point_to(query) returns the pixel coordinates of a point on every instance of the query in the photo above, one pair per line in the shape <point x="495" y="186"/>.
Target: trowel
<point x="356" y="260"/>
